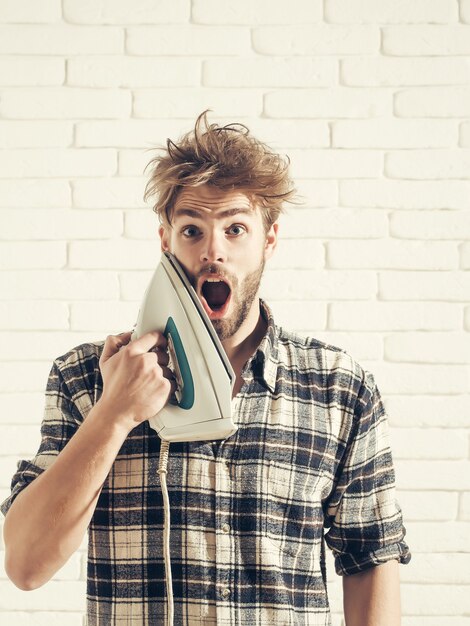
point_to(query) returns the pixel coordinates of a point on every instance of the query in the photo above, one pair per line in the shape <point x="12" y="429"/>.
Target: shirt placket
<point x="224" y="539"/>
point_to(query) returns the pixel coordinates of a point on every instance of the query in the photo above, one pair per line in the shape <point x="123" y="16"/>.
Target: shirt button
<point x="226" y="592"/>
<point x="226" y="528"/>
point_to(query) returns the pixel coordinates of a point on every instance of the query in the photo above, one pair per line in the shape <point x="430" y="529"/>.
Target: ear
<point x="165" y="238"/>
<point x="271" y="241"/>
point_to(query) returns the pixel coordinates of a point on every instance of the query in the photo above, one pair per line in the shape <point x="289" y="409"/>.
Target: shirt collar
<point x="266" y="356"/>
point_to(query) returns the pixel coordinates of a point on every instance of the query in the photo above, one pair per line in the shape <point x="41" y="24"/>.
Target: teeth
<point x="214" y="280"/>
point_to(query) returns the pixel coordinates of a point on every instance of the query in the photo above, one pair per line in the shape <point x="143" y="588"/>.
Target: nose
<point x="213" y="248"/>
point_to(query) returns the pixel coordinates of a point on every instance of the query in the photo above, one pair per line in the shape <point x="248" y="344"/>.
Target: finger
<point x="169" y="375"/>
<point x="154" y="339"/>
<point x="162" y="356"/>
<point x="113" y="343"/>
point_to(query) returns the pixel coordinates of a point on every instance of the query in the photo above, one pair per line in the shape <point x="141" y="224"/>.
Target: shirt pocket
<point x="294" y="518"/>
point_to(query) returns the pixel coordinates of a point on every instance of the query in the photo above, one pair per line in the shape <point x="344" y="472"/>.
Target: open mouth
<point x="215" y="296"/>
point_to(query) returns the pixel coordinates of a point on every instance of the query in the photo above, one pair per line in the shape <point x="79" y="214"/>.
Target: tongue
<point x="215" y="294"/>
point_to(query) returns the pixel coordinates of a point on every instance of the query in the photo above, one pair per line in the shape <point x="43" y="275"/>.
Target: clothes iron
<point x="201" y="409"/>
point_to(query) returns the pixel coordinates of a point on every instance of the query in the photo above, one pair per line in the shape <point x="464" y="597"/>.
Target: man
<point x="248" y="514"/>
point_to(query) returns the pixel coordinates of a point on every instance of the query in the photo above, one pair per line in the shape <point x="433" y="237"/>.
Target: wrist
<point x="105" y="414"/>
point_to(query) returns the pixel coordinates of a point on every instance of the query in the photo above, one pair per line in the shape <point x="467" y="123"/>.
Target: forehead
<point x="210" y="201"/>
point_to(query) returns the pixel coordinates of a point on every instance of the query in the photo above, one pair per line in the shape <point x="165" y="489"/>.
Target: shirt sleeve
<point x="364" y="519"/>
<point x="60" y="422"/>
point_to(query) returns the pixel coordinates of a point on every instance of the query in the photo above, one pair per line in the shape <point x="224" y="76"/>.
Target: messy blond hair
<point x="227" y="157"/>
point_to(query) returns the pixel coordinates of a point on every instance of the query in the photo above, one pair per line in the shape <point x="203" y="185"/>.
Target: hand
<point x="136" y="382"/>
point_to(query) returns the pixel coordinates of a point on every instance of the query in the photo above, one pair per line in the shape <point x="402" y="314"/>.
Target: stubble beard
<point x="242" y="301"/>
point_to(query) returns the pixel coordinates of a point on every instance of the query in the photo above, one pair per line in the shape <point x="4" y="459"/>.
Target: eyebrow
<point x="198" y="214"/>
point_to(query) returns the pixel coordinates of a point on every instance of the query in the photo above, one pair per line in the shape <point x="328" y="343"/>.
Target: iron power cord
<point x="162" y="471"/>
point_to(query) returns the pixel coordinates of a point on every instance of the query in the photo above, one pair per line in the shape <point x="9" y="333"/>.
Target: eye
<point x="236" y="230"/>
<point x="190" y="231"/>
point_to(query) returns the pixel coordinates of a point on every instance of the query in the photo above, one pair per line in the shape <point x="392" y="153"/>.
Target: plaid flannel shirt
<point x="310" y="463"/>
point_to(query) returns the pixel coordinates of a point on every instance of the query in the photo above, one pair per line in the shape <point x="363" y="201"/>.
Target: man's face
<point x="219" y="239"/>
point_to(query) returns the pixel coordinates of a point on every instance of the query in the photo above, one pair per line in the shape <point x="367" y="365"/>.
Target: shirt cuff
<point x="348" y="564"/>
<point x="25" y="474"/>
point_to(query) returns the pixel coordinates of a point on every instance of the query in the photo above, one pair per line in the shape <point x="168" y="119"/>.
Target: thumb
<point x="113" y="344"/>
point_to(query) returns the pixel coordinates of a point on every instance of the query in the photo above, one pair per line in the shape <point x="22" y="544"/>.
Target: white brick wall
<point x="371" y="100"/>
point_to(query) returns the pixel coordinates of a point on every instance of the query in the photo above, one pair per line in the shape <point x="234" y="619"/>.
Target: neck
<point x="240" y="346"/>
